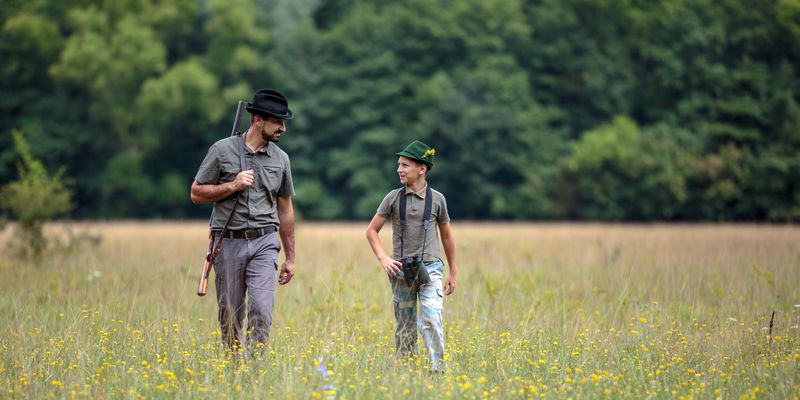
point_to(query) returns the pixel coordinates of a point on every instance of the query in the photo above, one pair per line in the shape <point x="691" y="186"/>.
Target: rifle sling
<point x="243" y="165"/>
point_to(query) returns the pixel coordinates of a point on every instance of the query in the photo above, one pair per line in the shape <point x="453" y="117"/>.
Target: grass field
<point x="551" y="311"/>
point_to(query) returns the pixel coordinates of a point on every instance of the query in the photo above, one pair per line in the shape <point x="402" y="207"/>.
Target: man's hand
<point x="450" y="285"/>
<point x="287" y="272"/>
<point x="391" y="267"/>
<point x="203" y="193"/>
<point x="243" y="180"/>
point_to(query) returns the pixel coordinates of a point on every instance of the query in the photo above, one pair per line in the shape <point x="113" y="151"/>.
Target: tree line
<point x="620" y="110"/>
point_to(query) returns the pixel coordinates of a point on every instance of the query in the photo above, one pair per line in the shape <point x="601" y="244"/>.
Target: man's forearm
<point x="287" y="239"/>
<point x="286" y="218"/>
<point x="211" y="193"/>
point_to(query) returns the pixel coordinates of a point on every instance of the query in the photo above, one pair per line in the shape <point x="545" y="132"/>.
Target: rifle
<point x="213" y="248"/>
<point x="208" y="263"/>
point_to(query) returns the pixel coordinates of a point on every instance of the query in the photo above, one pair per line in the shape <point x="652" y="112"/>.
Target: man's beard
<point x="270" y="138"/>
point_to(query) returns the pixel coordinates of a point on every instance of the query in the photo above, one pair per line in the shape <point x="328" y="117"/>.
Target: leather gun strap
<point x="222" y="233"/>
<point x="242" y="162"/>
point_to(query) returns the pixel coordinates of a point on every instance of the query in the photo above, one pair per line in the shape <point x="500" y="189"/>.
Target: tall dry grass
<point x="549" y="310"/>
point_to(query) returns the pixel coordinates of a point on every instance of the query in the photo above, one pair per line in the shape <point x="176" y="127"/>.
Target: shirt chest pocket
<point x="272" y="177"/>
<point x="228" y="170"/>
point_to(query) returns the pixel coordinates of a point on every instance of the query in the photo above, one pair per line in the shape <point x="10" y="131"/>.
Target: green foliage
<point x="622" y="172"/>
<point x="613" y="143"/>
<point x="788" y="12"/>
<point x="613" y="110"/>
<point x="35" y="198"/>
<point x="186" y="90"/>
<point x="603" y="164"/>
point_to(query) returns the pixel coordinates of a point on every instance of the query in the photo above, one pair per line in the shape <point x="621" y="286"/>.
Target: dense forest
<point x="620" y="110"/>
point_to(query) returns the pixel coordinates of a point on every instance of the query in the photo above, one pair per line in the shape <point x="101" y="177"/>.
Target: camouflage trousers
<point x="428" y="320"/>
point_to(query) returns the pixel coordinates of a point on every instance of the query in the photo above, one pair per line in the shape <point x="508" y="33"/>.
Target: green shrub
<point x="34" y="199"/>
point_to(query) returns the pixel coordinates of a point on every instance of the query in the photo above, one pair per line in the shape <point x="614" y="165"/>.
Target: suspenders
<point x="426" y="216"/>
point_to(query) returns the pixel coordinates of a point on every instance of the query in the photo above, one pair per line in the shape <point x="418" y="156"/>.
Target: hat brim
<point x="261" y="111"/>
<point x="413" y="157"/>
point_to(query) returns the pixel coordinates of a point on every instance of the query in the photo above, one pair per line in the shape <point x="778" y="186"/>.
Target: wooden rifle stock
<point x="213" y="249"/>
<point x="202" y="286"/>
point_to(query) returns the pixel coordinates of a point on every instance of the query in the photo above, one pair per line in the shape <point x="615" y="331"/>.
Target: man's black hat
<point x="270" y="102"/>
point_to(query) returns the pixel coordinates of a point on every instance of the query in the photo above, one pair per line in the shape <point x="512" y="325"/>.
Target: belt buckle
<point x="248" y="232"/>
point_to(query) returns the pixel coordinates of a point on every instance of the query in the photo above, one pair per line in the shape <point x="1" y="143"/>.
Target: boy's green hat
<point x="420" y="152"/>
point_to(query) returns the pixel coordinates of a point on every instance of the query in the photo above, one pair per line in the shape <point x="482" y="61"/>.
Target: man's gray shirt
<point x="272" y="178"/>
<point x="413" y="235"/>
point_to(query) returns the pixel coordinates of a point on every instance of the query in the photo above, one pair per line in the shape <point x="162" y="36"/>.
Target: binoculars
<point x="414" y="271"/>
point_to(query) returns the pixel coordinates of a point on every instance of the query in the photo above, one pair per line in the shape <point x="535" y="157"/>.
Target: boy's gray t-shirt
<point x="415" y="208"/>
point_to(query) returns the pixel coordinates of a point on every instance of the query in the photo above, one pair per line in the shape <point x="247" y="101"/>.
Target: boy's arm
<point x="449" y="244"/>
<point x="390" y="266"/>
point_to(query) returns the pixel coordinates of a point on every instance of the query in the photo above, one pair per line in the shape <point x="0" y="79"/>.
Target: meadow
<point x="540" y="311"/>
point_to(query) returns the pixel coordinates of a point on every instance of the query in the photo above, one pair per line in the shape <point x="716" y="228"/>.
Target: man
<point x="415" y="247"/>
<point x="248" y="258"/>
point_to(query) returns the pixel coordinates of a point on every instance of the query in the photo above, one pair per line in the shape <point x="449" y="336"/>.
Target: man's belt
<point x="248" y="234"/>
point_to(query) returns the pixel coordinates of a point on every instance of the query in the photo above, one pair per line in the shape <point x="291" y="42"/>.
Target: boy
<point x="415" y="267"/>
